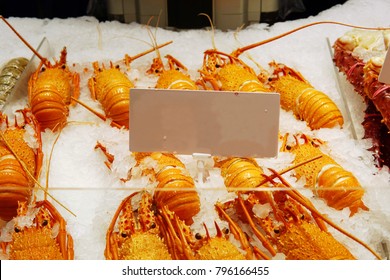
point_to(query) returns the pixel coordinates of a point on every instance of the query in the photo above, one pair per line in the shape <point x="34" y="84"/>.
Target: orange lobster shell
<point x="18" y="162"/>
<point x="50" y="92"/>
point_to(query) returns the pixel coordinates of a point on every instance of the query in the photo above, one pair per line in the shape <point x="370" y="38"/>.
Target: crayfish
<point x="138" y="235"/>
<point x="9" y="75"/>
<point x="330" y="181"/>
<point x="111" y="87"/>
<point x="359" y="55"/>
<point x="172" y="78"/>
<point x="50" y="89"/>
<point x="20" y="161"/>
<point x="283" y="220"/>
<point x="38" y="232"/>
<point x="186" y="245"/>
<point x="307" y="103"/>
<point x="228" y="73"/>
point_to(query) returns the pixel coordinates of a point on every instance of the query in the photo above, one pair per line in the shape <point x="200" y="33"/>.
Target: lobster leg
<point x="318" y="216"/>
<point x="240" y="235"/>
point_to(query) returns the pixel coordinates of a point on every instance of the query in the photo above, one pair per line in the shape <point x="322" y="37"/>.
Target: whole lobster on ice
<point x="329" y="180"/>
<point x="111" y="88"/>
<point x="51" y="88"/>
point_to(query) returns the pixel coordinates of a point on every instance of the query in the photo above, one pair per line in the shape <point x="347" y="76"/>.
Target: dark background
<point x="181" y="14"/>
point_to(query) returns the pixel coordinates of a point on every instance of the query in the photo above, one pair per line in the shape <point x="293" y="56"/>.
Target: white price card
<point x="384" y="75"/>
<point x="220" y="123"/>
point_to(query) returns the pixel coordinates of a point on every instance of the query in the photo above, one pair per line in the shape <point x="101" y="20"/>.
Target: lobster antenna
<point x="212" y="29"/>
<point x="247" y="54"/>
<point x="49" y="161"/>
<point x="99" y="115"/>
<point x="44" y="60"/>
<point x="153" y="37"/>
<point x="239" y="51"/>
<point x="156" y="47"/>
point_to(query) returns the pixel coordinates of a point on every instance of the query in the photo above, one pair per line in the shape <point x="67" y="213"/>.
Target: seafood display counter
<point x="70" y="184"/>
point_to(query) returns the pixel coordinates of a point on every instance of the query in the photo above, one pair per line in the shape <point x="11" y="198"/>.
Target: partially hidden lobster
<point x="135" y="232"/>
<point x="174" y="77"/>
<point x="51" y="88"/>
<point x="307" y="103"/>
<point x="283" y="220"/>
<point x="328" y="179"/>
<point x="221" y="71"/>
<point x="300" y="97"/>
<point x="111" y="88"/>
<point x="38" y="232"/>
<point x="20" y="161"/>
<point x="359" y="55"/>
<point x="9" y="75"/>
<point x="175" y="187"/>
<point x="188" y="246"/>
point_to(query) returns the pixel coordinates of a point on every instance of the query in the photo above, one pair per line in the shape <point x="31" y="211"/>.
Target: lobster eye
<point x="153" y="225"/>
<point x="63" y="66"/>
<point x="117" y="66"/>
<point x="43" y="69"/>
<point x="123" y="234"/>
<point x="17" y="229"/>
<point x="44" y="223"/>
<point x="156" y="71"/>
<point x="288" y="147"/>
<point x="217" y="65"/>
<point x="198" y="236"/>
<point x="225" y="231"/>
<point x="276" y="231"/>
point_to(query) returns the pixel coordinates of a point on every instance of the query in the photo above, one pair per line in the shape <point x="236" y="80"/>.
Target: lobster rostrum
<point x="284" y="221"/>
<point x="329" y="180"/>
<point x="38" y="232"/>
<point x="51" y="88"/>
<point x="135" y="232"/>
<point x="20" y="161"/>
<point x="9" y="75"/>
